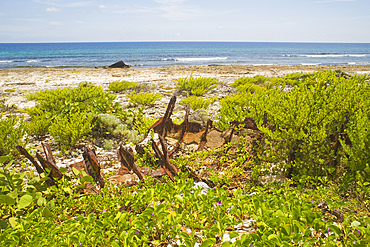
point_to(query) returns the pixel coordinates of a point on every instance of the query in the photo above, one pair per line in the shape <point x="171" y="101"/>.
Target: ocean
<point x="158" y="54"/>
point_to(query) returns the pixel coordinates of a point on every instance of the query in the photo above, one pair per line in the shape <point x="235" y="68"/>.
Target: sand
<point x="16" y="83"/>
<point x="40" y="79"/>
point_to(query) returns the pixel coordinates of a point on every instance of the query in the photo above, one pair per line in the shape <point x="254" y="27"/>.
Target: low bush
<point x="119" y="86"/>
<point x="197" y="103"/>
<point x="59" y="106"/>
<point x="196" y="85"/>
<point x="309" y="120"/>
<point x="144" y="99"/>
<point x="12" y="133"/>
<point x="68" y="129"/>
<point x="255" y="84"/>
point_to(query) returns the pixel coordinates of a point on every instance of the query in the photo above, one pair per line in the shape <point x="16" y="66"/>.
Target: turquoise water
<point x="157" y="54"/>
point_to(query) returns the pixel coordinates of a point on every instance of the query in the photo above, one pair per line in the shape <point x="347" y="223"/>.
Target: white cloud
<point x="52" y="9"/>
<point x="169" y="1"/>
<point x="221" y="27"/>
<point x="176" y="10"/>
<point x="70" y="5"/>
<point x="55" y="23"/>
<point x="330" y="1"/>
<point x="102" y="7"/>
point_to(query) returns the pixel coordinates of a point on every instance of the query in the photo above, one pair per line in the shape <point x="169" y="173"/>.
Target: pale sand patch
<point x="27" y="80"/>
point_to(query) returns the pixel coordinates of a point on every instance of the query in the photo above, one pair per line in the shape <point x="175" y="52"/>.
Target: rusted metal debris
<point x="194" y="133"/>
<point x="93" y="167"/>
<point x="48" y="164"/>
<point x="186" y="133"/>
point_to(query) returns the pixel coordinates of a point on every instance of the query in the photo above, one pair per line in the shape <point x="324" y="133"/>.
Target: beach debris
<point x="93" y="167"/>
<point x="187" y="133"/>
<point x="48" y="164"/>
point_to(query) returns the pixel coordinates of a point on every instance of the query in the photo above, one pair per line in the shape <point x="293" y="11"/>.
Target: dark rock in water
<point x="119" y="64"/>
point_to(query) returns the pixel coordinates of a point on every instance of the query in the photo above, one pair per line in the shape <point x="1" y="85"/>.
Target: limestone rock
<point x="120" y="65"/>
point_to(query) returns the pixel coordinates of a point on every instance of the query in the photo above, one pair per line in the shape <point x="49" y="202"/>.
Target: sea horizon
<point x="180" y="53"/>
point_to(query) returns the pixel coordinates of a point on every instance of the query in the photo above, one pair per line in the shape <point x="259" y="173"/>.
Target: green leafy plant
<point x="64" y="106"/>
<point x="144" y="98"/>
<point x="309" y="120"/>
<point x="68" y="129"/>
<point x="12" y="133"/>
<point x="196" y="85"/>
<point x="233" y="108"/>
<point x="119" y="86"/>
<point x="198" y="103"/>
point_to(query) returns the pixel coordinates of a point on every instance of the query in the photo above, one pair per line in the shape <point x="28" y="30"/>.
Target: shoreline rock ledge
<point x="119" y="65"/>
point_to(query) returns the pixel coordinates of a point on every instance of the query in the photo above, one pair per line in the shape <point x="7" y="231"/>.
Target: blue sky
<point x="185" y="20"/>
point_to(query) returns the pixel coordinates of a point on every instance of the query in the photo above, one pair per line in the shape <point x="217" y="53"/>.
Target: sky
<point x="184" y="20"/>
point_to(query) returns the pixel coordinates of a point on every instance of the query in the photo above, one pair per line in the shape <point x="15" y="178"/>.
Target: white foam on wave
<point x="190" y="59"/>
<point x="310" y="64"/>
<point x="33" y="61"/>
<point x="351" y="63"/>
<point x="263" y="64"/>
<point x="6" y="61"/>
<point x="335" y="55"/>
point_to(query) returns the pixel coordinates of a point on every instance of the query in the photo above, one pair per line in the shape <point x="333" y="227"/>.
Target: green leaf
<point x="46" y="213"/>
<point x="208" y="242"/>
<point x="50" y="205"/>
<point x="3" y="224"/>
<point x="87" y="178"/>
<point x="4" y="159"/>
<point x="280" y="213"/>
<point x="41" y="201"/>
<point x="233" y="235"/>
<point x="5" y="199"/>
<point x="156" y="242"/>
<point x="13" y="221"/>
<point x="25" y="201"/>
<point x="226" y="244"/>
<point x="76" y="171"/>
<point x="355" y="224"/>
<point x="179" y="198"/>
<point x="63" y="170"/>
<point x="114" y="244"/>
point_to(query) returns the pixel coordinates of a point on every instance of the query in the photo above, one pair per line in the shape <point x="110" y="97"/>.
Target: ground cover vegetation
<point x="196" y="85"/>
<point x="197" y="103"/>
<point x="70" y="114"/>
<point x="314" y="128"/>
<point x="120" y="86"/>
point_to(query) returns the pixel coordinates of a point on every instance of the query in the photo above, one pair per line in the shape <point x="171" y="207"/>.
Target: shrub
<point x="197" y="103"/>
<point x="308" y="120"/>
<point x="233" y="108"/>
<point x="358" y="150"/>
<point x="59" y="106"/>
<point x="68" y="129"/>
<point x="119" y="86"/>
<point x="196" y="86"/>
<point x="84" y="98"/>
<point x="12" y="133"/>
<point x="258" y="79"/>
<point x="144" y="98"/>
<point x="254" y="84"/>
